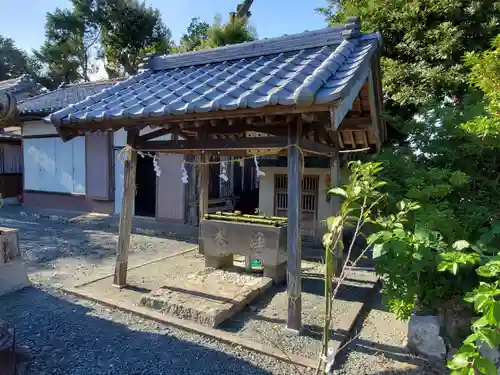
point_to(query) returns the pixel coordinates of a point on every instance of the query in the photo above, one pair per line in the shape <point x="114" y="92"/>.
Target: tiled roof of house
<point x="62" y="97"/>
<point x="22" y="87"/>
<point x="302" y="69"/>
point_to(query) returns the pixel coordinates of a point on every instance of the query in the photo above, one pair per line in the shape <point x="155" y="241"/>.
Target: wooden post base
<point x="120" y="278"/>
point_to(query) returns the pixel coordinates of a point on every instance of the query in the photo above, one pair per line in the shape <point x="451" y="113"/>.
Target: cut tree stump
<point x="13" y="273"/>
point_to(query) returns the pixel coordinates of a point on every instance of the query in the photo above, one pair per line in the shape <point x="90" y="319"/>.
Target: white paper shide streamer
<point x="223" y="171"/>
<point x="184" y="176"/>
<point x="257" y="169"/>
<point x="156" y="166"/>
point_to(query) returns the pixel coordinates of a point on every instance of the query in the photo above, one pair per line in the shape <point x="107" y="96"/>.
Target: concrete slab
<point x="13" y="277"/>
<point x="209" y="296"/>
<point x="13" y="272"/>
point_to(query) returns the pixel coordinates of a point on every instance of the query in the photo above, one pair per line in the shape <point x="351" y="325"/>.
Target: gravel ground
<point x="58" y="253"/>
<point x="379" y="348"/>
<point x="64" y="335"/>
<point x="265" y="320"/>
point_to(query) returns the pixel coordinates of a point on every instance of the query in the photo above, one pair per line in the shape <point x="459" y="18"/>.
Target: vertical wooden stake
<point x="204" y="173"/>
<point x="294" y="279"/>
<point x="191" y="211"/>
<point x="130" y="166"/>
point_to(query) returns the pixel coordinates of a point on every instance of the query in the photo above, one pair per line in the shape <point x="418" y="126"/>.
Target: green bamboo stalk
<point x="328" y="304"/>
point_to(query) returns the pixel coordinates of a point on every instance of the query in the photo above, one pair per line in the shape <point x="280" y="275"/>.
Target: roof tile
<point x="62" y="97"/>
<point x="300" y="69"/>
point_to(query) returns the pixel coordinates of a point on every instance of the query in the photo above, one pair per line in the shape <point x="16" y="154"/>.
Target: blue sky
<point x="23" y="20"/>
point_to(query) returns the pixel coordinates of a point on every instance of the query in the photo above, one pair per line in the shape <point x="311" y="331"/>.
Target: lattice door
<point x="309" y="198"/>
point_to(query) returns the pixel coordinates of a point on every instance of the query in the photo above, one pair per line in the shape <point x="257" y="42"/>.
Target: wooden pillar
<point x="191" y="206"/>
<point x="203" y="182"/>
<point x="335" y="201"/>
<point x="130" y="166"/>
<point x="294" y="280"/>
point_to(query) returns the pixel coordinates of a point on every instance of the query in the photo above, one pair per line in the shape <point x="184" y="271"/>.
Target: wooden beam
<point x="377" y="83"/>
<point x="269" y="119"/>
<point x="374" y="113"/>
<point x="127" y="204"/>
<point x="294" y="321"/>
<point x="315" y="147"/>
<point x="203" y="183"/>
<point x="365" y="139"/>
<point x="309" y="117"/>
<point x="191" y="200"/>
<point x="351" y="138"/>
<point x="155" y="134"/>
<point x="356" y="123"/>
<point x="186" y="135"/>
<point x="215" y="144"/>
<point x="276" y="128"/>
<point x="199" y="117"/>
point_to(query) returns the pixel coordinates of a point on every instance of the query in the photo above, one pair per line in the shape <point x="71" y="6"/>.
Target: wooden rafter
<point x="155" y="134"/>
<point x="214" y="144"/>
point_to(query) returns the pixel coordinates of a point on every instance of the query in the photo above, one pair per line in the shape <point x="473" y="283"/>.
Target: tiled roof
<point x="22" y="87"/>
<point x="62" y="97"/>
<point x="302" y="69"/>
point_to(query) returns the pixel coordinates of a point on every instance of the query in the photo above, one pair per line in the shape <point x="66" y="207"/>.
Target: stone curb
<point x="226" y="337"/>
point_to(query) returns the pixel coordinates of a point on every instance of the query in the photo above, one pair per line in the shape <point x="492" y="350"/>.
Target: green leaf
<point x="338" y="191"/>
<point x="356" y="190"/>
<point x="493" y="315"/>
<point x="401" y="205"/>
<point x="460" y="245"/>
<point x="327" y="240"/>
<point x="378" y="250"/>
<point x="489" y="336"/>
<point x="471" y="339"/>
<point x="485" y="366"/>
<point x="490" y="269"/>
<point x="399" y="232"/>
<point x="374" y="237"/>
<point x="459" y="361"/>
<point x="481" y="322"/>
<point x="469" y="349"/>
<point x="333" y="223"/>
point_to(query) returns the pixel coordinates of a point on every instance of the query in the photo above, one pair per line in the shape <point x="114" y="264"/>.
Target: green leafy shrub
<point x="485" y="298"/>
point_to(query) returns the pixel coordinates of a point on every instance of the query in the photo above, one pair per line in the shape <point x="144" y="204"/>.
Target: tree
<point x="424" y="42"/>
<point x="235" y="31"/>
<point x="119" y="31"/>
<point x="200" y="35"/>
<point x="130" y="29"/>
<point x="197" y="32"/>
<point x="451" y="163"/>
<point x="13" y="61"/>
<point x="450" y="169"/>
<point x="72" y="36"/>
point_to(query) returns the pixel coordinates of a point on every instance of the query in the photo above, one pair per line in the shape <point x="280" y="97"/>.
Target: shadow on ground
<point x="43" y="242"/>
<point x="61" y="337"/>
